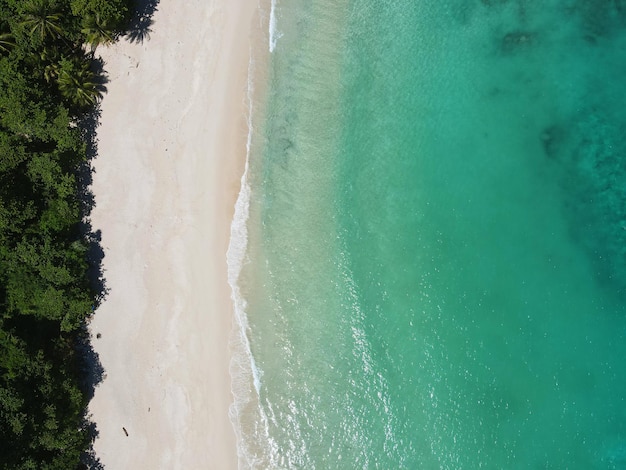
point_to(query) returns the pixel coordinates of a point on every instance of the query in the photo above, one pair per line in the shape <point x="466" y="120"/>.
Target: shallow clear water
<point x="435" y="272"/>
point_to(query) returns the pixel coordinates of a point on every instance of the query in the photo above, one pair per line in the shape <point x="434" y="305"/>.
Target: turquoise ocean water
<point x="431" y="268"/>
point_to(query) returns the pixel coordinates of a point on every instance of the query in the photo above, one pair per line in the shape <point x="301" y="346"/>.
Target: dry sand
<point x="171" y="153"/>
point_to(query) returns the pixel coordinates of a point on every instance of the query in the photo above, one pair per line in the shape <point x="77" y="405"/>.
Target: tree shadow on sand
<point x="89" y="460"/>
<point x="91" y="369"/>
<point x="93" y="374"/>
<point x="94" y="252"/>
<point x="139" y="29"/>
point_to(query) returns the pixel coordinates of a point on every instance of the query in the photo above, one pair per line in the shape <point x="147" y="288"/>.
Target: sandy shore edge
<point x="171" y="151"/>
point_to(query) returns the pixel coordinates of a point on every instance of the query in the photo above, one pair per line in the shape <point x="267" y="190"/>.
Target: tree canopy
<point x="49" y="81"/>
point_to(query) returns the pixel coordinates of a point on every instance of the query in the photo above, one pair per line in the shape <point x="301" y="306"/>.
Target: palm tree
<point x="6" y="42"/>
<point x="97" y="31"/>
<point x="51" y="57"/>
<point x="78" y="83"/>
<point x="41" y="19"/>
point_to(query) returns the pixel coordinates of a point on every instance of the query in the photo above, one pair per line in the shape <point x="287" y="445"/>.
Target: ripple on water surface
<point x="435" y="276"/>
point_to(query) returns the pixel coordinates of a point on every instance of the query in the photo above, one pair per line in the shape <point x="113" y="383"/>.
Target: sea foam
<point x="274" y="35"/>
<point x="243" y="368"/>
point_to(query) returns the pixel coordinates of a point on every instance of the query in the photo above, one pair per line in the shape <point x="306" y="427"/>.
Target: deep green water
<point x="436" y="273"/>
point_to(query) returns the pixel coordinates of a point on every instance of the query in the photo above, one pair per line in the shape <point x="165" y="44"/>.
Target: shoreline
<point x="245" y="409"/>
<point x="171" y="152"/>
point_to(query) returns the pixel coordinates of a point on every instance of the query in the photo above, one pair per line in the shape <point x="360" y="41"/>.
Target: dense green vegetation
<point x="49" y="89"/>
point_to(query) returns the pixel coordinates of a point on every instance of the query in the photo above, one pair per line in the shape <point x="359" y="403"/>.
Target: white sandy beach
<point x="171" y="152"/>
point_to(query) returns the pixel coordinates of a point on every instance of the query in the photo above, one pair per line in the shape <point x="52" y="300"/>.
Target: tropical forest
<point x="51" y="82"/>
